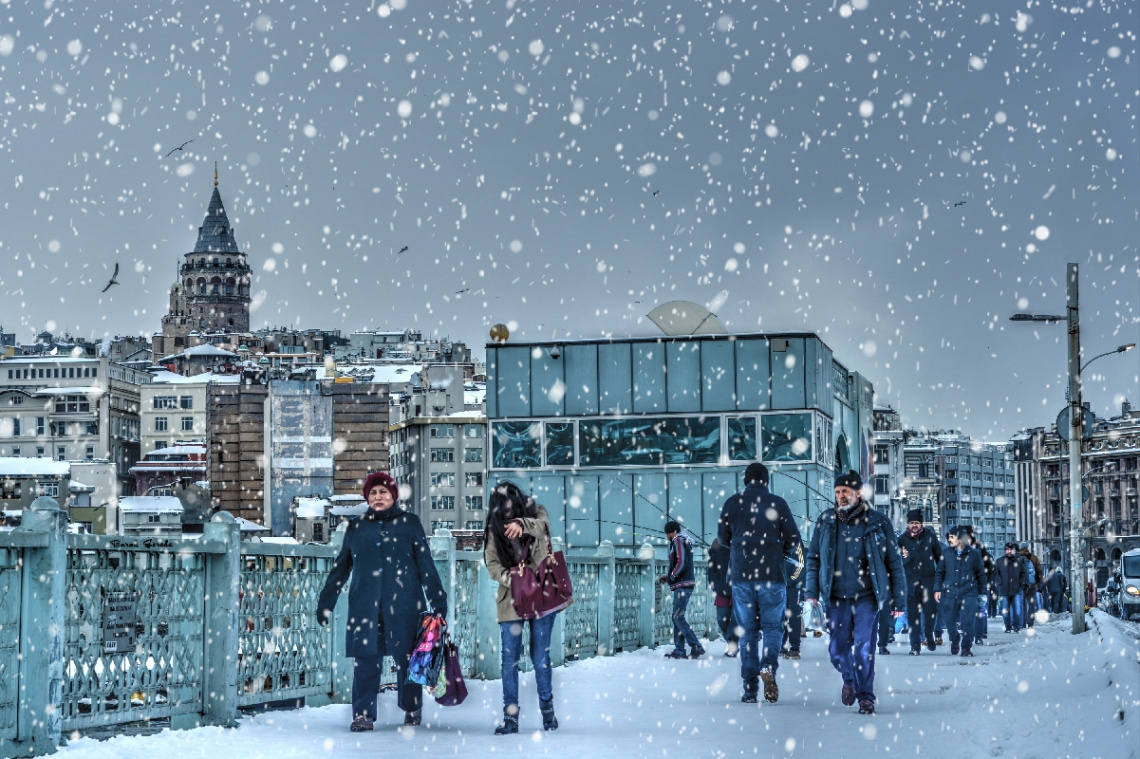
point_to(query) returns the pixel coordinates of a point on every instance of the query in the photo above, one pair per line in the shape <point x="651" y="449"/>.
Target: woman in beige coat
<point x="518" y="532"/>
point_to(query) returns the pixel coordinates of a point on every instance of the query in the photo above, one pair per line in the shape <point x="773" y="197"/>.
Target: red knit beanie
<point x="384" y="480"/>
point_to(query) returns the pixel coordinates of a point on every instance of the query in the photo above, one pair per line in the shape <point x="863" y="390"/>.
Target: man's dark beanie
<point x="914" y="515"/>
<point x="850" y="480"/>
<point x="962" y="533"/>
<point x="756" y="473"/>
<point x="672" y="526"/>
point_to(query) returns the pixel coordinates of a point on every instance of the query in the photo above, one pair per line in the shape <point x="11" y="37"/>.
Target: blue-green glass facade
<point x="613" y="437"/>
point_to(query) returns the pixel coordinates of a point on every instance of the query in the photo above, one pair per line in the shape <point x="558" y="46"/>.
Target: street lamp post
<point x="1076" y="428"/>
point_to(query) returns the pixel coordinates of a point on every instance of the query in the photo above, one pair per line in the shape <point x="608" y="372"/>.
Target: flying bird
<point x="113" y="281"/>
<point x="401" y="250"/>
<point x="464" y="290"/>
<point x="179" y="147"/>
<point x="960" y="203"/>
<point x="656" y="193"/>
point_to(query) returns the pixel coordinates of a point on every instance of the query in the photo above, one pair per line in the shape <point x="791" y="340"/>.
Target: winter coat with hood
<point x="924" y="554"/>
<point x="961" y="574"/>
<point x="389" y="559"/>
<point x="762" y="536"/>
<point x="536" y="536"/>
<point x="888" y="578"/>
<point x="1010" y="577"/>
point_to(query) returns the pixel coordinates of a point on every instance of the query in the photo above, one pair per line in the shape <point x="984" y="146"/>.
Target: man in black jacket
<point x="961" y="579"/>
<point x="922" y="553"/>
<point x="765" y="551"/>
<point x="1010" y="581"/>
<point x="855" y="568"/>
<point x="722" y="596"/>
<point x="681" y="580"/>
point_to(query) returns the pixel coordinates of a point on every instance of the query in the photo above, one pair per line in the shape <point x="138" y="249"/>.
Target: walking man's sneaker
<point x="953" y="649"/>
<point x="360" y="725"/>
<point x="967" y="652"/>
<point x="866" y="706"/>
<point x="749" y="697"/>
<point x="848" y="695"/>
<point x="732" y="648"/>
<point x="771" y="690"/>
<point x="915" y="651"/>
<point x="791" y="654"/>
<point x="930" y="646"/>
<point x="413" y="719"/>
<point x="884" y="650"/>
<point x="938" y="641"/>
<point x="817" y="633"/>
<point x="677" y="653"/>
<point x="697" y="653"/>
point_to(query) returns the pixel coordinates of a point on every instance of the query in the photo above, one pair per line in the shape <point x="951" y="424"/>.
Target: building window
<point x="474" y="502"/>
<point x="90" y="452"/>
<point x="474" y="480"/>
<point x="318" y="531"/>
<point x="50" y="489"/>
<point x="442" y="479"/>
<point x="442" y="502"/>
<point x="16" y="450"/>
<point x="472" y="430"/>
<point x="72" y="404"/>
<point x="61" y="453"/>
<point x="154" y="519"/>
<point x="160" y="424"/>
<point x="443" y="524"/>
<point x="474" y="524"/>
<point x="473" y="454"/>
<point x="40" y="425"/>
<point x="442" y="430"/>
<point x="187" y="424"/>
<point x="165" y="401"/>
<point x="882" y="485"/>
<point x="40" y="452"/>
<point x="92" y="428"/>
<point x="186" y="401"/>
<point x="443" y="454"/>
<point x="882" y="456"/>
<point x="16" y="427"/>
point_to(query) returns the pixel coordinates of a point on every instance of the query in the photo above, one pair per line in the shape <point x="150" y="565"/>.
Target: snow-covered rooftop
<point x="311" y="508"/>
<point x="17" y="466"/>
<point x="79" y="390"/>
<point x="206" y="349"/>
<point x="150" y="504"/>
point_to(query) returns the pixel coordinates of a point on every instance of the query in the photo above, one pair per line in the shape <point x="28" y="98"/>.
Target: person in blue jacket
<point x="681" y="579"/>
<point x="854" y="567"/>
<point x="959" y="581"/>
<point x="393" y="583"/>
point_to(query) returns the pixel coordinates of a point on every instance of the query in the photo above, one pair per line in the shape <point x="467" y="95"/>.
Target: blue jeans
<point x="726" y="621"/>
<point x="852" y="627"/>
<point x="511" y="634"/>
<point x="759" y="608"/>
<point x="961" y="610"/>
<point x="1011" y="612"/>
<point x="682" y="632"/>
<point x="982" y="627"/>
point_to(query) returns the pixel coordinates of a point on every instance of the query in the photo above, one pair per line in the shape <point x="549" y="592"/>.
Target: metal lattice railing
<point x="464" y="607"/>
<point x="10" y="563"/>
<point x="627" y="605"/>
<point x="282" y="652"/>
<point x="580" y="636"/>
<point x="155" y="669"/>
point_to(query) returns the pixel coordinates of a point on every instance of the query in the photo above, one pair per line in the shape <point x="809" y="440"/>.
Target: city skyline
<point x="898" y="182"/>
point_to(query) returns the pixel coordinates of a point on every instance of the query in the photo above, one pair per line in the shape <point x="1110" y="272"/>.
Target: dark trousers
<point x="921" y="611"/>
<point x="886" y="625"/>
<point x="1030" y="606"/>
<point x="851" y="625"/>
<point x="682" y="632"/>
<point x="793" y="620"/>
<point x="366" y="674"/>
<point x="961" y="611"/>
<point x="726" y="621"/>
<point x="1056" y="602"/>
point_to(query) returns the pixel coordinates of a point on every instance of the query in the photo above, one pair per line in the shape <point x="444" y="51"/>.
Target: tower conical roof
<point x="216" y="235"/>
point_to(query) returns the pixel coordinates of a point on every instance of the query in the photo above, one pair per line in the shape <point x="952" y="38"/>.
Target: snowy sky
<point x="564" y="168"/>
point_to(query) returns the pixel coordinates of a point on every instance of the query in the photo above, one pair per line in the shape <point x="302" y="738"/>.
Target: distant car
<point x="1129" y="594"/>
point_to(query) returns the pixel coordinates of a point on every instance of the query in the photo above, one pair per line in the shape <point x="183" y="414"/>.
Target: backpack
<point x="1030" y="571"/>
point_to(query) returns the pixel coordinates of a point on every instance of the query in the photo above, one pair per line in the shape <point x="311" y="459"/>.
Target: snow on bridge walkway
<point x="1046" y="695"/>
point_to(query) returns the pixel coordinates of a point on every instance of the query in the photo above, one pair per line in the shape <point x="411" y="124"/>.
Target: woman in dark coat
<point x="394" y="581"/>
<point x="518" y="532"/>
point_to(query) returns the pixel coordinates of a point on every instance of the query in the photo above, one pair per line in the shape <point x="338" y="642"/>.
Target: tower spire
<point x="215" y="173"/>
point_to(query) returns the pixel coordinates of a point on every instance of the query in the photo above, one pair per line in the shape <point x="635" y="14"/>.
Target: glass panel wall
<point x="650" y="441"/>
<point x="517" y="445"/>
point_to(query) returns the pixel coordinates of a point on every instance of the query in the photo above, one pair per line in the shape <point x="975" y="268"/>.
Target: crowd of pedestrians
<point x="855" y="578"/>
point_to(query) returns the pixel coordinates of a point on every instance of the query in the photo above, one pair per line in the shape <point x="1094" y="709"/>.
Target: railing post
<point x="488" y="665"/>
<point x="648" y="612"/>
<point x="607" y="599"/>
<point x="558" y="632"/>
<point x="341" y="680"/>
<point x="42" y="622"/>
<point x="219" y="660"/>
<point x="443" y="547"/>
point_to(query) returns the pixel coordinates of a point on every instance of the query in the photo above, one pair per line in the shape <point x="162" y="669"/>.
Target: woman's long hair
<point x="507" y="502"/>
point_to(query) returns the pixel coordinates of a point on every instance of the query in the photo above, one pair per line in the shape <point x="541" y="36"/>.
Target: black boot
<point x="549" y="721"/>
<point x="510" y="723"/>
<point x="413" y="718"/>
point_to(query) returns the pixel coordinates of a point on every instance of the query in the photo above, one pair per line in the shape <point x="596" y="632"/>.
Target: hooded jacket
<point x="681" y="574"/>
<point x="762" y="537"/>
<point x="888" y="578"/>
<point x="961" y="573"/>
<point x="1010" y="576"/>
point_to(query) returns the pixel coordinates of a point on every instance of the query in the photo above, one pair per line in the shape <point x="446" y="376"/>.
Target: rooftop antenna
<point x="215" y="173"/>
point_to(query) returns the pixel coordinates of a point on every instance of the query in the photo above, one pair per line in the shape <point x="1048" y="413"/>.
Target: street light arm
<point x="1121" y="349"/>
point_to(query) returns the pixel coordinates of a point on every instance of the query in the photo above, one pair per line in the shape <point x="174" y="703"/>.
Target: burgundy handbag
<point x="544" y="590"/>
<point x="456" y="686"/>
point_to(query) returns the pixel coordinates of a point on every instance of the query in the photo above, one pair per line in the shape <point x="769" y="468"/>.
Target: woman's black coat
<point x="392" y="570"/>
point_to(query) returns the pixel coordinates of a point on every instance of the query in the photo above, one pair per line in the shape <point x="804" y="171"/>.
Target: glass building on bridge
<point x="616" y="436"/>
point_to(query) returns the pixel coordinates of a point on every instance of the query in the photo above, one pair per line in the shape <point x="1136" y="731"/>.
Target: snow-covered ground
<point x="1046" y="695"/>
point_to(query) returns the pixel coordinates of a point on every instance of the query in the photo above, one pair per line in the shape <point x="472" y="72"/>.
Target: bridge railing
<point x="103" y="630"/>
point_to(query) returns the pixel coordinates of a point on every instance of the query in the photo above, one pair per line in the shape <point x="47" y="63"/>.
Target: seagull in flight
<point x="464" y="290"/>
<point x="179" y="148"/>
<point x="401" y="250"/>
<point x="113" y="281"/>
<point x="960" y="203"/>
